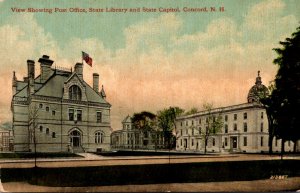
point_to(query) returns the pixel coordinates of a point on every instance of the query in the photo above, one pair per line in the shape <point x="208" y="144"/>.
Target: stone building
<point x="130" y="137"/>
<point x="58" y="111"/>
<point x="245" y="127"/>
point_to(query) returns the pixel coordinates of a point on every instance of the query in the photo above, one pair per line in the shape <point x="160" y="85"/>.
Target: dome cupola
<point x="257" y="91"/>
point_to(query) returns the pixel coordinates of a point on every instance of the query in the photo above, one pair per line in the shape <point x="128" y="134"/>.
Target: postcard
<point x="137" y="95"/>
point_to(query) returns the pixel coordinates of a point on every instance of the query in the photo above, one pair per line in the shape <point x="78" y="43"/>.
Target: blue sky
<point x="149" y="61"/>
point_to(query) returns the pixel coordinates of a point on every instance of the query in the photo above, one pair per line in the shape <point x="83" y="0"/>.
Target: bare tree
<point x="213" y="124"/>
<point x="33" y="124"/>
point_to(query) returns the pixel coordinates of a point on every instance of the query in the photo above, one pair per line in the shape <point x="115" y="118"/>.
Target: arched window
<point x="74" y="93"/>
<point x="99" y="137"/>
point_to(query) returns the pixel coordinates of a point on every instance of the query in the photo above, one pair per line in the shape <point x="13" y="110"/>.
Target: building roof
<point x="53" y="87"/>
<point x="258" y="90"/>
<point x="127" y="119"/>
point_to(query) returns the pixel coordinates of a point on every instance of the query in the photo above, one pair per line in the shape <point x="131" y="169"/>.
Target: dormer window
<point x="74" y="93"/>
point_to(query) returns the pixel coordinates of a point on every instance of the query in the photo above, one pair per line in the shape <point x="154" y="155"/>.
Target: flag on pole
<point x="87" y="59"/>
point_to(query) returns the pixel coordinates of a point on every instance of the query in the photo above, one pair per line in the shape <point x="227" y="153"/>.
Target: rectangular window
<point x="199" y="129"/>
<point x="200" y="121"/>
<point x="99" y="117"/>
<point x="214" y="142"/>
<point x="245" y="115"/>
<point x="245" y="127"/>
<point x="53" y="135"/>
<point x="192" y="142"/>
<point x="262" y="115"/>
<point x="53" y="112"/>
<point x="235" y="127"/>
<point x="181" y="142"/>
<point x="275" y="142"/>
<point x="186" y="131"/>
<point x="226" y="128"/>
<point x="47" y="109"/>
<point x="235" y="117"/>
<point x="245" y="141"/>
<point x="261" y="127"/>
<point x="192" y="122"/>
<point x="261" y="141"/>
<point x="226" y="118"/>
<point x="181" y="132"/>
<point x="186" y="123"/>
<point x="180" y="123"/>
<point x="79" y="115"/>
<point x="193" y="131"/>
<point x="40" y="106"/>
<point x="71" y="114"/>
<point x="225" y="141"/>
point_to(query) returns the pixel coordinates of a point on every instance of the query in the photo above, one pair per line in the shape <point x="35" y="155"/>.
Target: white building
<point x="245" y="127"/>
<point x="130" y="137"/>
<point x="60" y="110"/>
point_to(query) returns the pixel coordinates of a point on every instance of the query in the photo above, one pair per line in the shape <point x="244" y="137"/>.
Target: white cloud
<point x="158" y="67"/>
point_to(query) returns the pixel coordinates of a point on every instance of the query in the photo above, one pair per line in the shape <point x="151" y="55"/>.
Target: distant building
<point x="58" y="111"/>
<point x="245" y="127"/>
<point x="6" y="140"/>
<point x="130" y="137"/>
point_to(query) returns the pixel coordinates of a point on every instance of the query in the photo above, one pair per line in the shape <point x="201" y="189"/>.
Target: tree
<point x="166" y="122"/>
<point x="144" y="121"/>
<point x="213" y="123"/>
<point x="193" y="110"/>
<point x="33" y="116"/>
<point x="287" y="89"/>
<point x="269" y="103"/>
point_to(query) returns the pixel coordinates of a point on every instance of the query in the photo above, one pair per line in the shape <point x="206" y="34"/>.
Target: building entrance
<point x="233" y="142"/>
<point x="75" y="138"/>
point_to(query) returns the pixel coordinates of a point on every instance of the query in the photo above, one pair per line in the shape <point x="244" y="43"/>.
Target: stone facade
<point x="131" y="138"/>
<point x="245" y="128"/>
<point x="59" y="111"/>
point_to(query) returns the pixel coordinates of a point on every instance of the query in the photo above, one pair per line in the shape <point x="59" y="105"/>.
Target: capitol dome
<point x="257" y="91"/>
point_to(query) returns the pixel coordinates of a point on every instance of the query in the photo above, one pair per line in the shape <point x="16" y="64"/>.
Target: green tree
<point x="269" y="103"/>
<point x="193" y="110"/>
<point x="166" y="122"/>
<point x="144" y="121"/>
<point x="213" y="123"/>
<point x="287" y="89"/>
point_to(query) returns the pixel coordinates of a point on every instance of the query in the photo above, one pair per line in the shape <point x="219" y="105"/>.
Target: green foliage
<point x="268" y="101"/>
<point x="285" y="98"/>
<point x="144" y="120"/>
<point x="193" y="110"/>
<point x="166" y="121"/>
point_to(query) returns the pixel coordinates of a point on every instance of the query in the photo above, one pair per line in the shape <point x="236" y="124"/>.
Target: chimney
<point x="96" y="82"/>
<point x="31" y="76"/>
<point x="30" y="69"/>
<point x="46" y="71"/>
<point x="25" y="78"/>
<point x="14" y="83"/>
<point x="79" y="70"/>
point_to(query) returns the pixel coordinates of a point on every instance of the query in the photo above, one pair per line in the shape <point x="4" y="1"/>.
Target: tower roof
<point x="257" y="91"/>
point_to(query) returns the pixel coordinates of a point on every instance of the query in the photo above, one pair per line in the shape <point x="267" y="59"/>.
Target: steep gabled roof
<point x="53" y="87"/>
